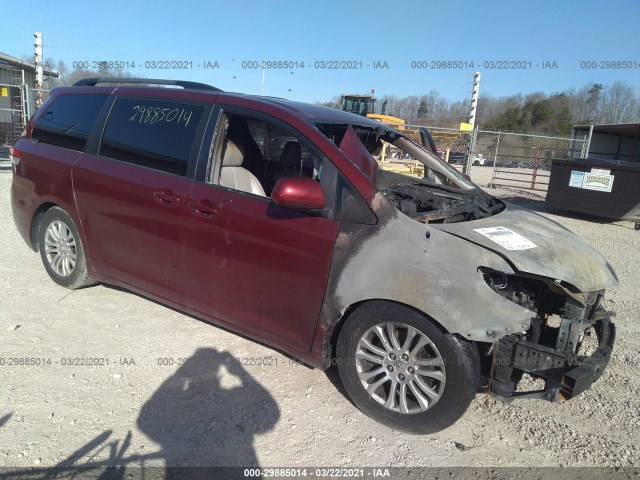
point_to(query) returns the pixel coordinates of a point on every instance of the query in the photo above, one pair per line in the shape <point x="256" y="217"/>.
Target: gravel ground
<point x="172" y="390"/>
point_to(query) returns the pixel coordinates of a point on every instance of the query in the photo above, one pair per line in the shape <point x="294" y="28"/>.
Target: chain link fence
<point x="503" y="159"/>
<point x="12" y="116"/>
<point x="452" y="144"/>
<point x="17" y="105"/>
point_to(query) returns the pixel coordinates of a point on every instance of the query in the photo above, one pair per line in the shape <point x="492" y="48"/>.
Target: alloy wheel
<point x="60" y="248"/>
<point x="400" y="367"/>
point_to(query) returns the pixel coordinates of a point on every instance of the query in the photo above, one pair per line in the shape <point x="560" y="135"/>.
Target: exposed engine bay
<point x="428" y="202"/>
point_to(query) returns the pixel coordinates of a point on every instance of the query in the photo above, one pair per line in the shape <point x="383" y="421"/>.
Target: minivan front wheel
<point x="399" y="368"/>
<point x="61" y="250"/>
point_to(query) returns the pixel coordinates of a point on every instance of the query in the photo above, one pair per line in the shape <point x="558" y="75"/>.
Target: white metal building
<point x="611" y="142"/>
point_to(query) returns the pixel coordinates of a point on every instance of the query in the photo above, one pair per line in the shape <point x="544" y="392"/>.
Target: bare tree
<point x="619" y="103"/>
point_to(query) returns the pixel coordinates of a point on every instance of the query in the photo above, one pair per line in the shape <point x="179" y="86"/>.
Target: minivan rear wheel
<point x="400" y="369"/>
<point x="61" y="250"/>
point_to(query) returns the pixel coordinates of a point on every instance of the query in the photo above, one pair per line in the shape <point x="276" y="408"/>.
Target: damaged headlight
<point x="544" y="296"/>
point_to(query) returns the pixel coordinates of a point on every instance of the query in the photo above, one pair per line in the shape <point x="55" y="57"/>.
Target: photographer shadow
<point x="204" y="417"/>
<point x="207" y="414"/>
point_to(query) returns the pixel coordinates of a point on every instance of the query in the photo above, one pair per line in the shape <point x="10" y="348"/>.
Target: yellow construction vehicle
<point x="365" y="105"/>
<point x="358" y="104"/>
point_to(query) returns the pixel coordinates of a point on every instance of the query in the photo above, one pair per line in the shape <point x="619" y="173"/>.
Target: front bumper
<point x="565" y="372"/>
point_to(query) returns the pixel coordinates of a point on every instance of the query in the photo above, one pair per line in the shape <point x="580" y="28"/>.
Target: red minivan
<point x="272" y="218"/>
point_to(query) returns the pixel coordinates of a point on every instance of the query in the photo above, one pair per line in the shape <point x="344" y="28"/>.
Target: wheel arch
<point x="341" y="321"/>
<point x="78" y="275"/>
<point x="36" y="222"/>
<point x="450" y="393"/>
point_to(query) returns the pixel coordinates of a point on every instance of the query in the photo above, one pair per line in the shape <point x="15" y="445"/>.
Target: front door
<point x="248" y="262"/>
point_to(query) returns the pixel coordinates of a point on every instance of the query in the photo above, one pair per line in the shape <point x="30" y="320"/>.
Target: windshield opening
<point x="414" y="180"/>
<point x="393" y="150"/>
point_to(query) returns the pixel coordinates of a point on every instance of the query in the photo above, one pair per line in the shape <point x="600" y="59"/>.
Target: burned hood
<point x="536" y="245"/>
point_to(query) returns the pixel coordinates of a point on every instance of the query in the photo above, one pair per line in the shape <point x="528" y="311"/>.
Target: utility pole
<point x="39" y="68"/>
<point x="466" y="169"/>
<point x="474" y="98"/>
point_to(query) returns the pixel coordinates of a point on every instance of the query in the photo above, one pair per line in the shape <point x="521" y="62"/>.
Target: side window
<point x="253" y="154"/>
<point x="151" y="133"/>
<point x="350" y="206"/>
<point x="68" y="121"/>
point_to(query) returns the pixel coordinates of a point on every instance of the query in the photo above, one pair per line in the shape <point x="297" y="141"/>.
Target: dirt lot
<point x="168" y="389"/>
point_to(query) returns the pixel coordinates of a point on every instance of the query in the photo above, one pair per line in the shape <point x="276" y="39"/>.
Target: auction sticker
<point x="506" y="238"/>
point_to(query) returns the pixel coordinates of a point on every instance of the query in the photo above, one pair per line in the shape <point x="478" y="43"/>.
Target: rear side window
<point x="153" y="134"/>
<point x="68" y="121"/>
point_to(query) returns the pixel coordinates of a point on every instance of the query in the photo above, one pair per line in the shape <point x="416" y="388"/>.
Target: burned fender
<point x="401" y="260"/>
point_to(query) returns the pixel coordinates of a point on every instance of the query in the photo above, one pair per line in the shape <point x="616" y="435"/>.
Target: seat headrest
<point x="291" y="155"/>
<point x="233" y="156"/>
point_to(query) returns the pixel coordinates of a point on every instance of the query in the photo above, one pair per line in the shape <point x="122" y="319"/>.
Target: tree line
<point x="535" y="112"/>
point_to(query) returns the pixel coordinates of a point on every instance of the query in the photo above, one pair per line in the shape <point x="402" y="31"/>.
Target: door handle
<point x="203" y="208"/>
<point x="166" y="197"/>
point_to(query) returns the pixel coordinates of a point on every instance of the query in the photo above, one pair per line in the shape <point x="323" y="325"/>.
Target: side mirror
<point x="300" y="193"/>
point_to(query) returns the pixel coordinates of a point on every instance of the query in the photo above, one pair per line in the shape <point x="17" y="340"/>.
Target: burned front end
<point x="525" y="289"/>
<point x="567" y="342"/>
<point x="565" y="349"/>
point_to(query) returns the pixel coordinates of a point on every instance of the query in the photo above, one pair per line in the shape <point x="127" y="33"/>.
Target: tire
<point x="61" y="250"/>
<point x="436" y="392"/>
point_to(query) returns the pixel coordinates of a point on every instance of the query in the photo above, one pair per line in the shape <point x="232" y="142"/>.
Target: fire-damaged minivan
<point x="272" y="218"/>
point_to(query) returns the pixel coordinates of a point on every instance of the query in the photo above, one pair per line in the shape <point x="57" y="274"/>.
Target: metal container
<point x="605" y="188"/>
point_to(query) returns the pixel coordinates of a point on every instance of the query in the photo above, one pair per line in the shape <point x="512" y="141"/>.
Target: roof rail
<point x="91" y="82"/>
